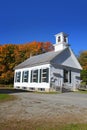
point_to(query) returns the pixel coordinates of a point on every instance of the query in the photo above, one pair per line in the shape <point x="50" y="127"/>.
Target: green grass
<point x="27" y="126"/>
<point x="6" y="97"/>
<point x="55" y="92"/>
<point x="75" y="127"/>
<point x="63" y="127"/>
<point x="82" y="91"/>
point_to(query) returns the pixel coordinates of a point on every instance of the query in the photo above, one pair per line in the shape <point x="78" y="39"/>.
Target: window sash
<point x="40" y="75"/>
<point x="18" y="76"/>
<point x="45" y="75"/>
<point x="25" y="76"/>
<point x="34" y="76"/>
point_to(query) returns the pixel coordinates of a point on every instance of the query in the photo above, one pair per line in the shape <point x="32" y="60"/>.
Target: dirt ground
<point x="38" y="108"/>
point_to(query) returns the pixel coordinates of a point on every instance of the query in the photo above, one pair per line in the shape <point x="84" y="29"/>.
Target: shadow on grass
<point x="9" y="91"/>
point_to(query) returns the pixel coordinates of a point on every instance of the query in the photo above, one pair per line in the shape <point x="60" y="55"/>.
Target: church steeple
<point x="61" y="41"/>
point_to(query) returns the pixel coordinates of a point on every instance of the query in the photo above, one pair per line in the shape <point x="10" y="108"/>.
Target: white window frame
<point x="34" y="76"/>
<point x="44" y="77"/>
<point x="18" y="76"/>
<point x="25" y="76"/>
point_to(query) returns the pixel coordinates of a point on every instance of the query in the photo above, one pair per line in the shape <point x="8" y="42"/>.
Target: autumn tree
<point x="11" y="55"/>
<point x="47" y="46"/>
<point x="35" y="48"/>
<point x="7" y="63"/>
<point x="83" y="59"/>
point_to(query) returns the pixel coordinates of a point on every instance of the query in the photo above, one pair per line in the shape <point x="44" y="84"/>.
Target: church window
<point x="42" y="75"/>
<point x="45" y="75"/>
<point x="18" y="76"/>
<point x="34" y="76"/>
<point x="25" y="76"/>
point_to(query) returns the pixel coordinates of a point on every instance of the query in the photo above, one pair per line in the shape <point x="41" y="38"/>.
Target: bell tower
<point x="61" y="41"/>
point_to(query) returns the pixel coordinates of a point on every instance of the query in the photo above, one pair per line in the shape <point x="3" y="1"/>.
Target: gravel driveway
<point x="66" y="107"/>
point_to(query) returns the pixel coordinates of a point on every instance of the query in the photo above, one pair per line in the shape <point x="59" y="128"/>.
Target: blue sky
<point x="28" y="20"/>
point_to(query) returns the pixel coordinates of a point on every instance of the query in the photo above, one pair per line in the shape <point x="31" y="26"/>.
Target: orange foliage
<point x="11" y="55"/>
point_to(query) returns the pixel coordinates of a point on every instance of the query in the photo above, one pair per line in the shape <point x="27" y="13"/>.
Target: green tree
<point x="84" y="76"/>
<point x="83" y="61"/>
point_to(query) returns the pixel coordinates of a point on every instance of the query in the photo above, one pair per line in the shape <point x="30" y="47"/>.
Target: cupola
<point x="61" y="41"/>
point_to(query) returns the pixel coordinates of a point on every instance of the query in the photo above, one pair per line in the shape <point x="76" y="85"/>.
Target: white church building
<point x="50" y="71"/>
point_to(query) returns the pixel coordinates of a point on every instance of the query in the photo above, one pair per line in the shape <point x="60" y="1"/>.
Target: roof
<point x="64" y="57"/>
<point x="38" y="59"/>
<point x="62" y="34"/>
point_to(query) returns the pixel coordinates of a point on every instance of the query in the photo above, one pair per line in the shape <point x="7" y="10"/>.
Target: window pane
<point x="70" y="76"/>
<point x="31" y="76"/>
<point x="65" y="76"/>
<point x="34" y="76"/>
<point x="25" y="76"/>
<point x="45" y="75"/>
<point x="18" y="77"/>
<point x="40" y="76"/>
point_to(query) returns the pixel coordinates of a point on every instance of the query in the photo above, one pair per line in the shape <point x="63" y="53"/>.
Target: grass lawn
<point x="66" y="127"/>
<point x="55" y="92"/>
<point x="75" y="127"/>
<point x="82" y="91"/>
<point x="28" y="125"/>
<point x="6" y="97"/>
